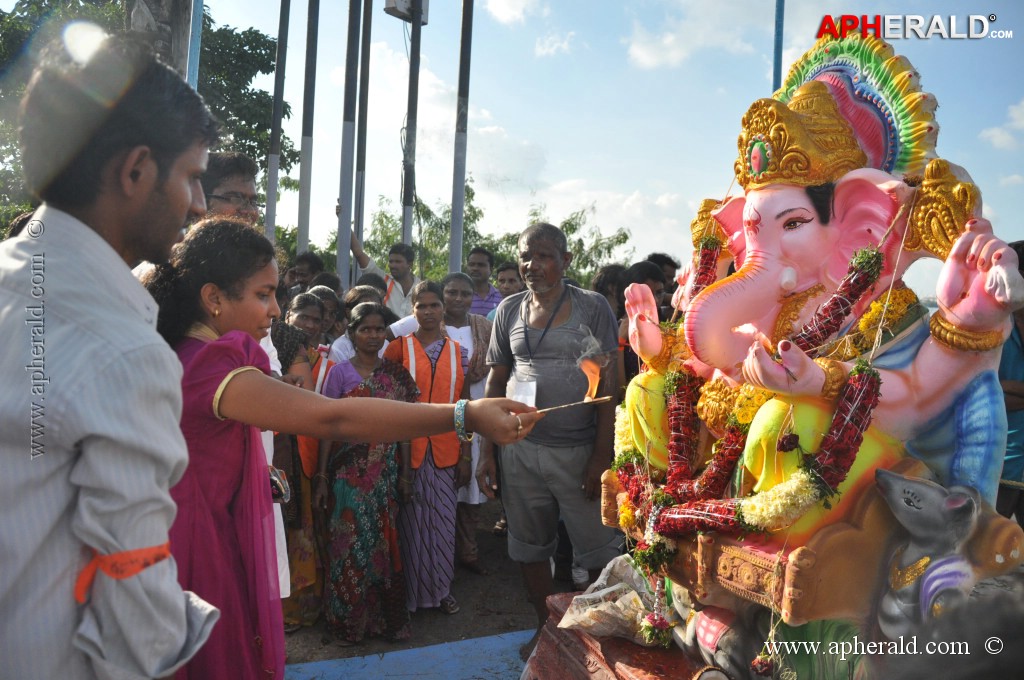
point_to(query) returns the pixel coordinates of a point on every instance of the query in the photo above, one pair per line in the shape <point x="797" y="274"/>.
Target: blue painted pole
<point x="780" y="13"/>
<point x="195" y="38"/>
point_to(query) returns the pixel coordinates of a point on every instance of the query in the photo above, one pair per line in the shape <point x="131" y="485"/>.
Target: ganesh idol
<point x="804" y="399"/>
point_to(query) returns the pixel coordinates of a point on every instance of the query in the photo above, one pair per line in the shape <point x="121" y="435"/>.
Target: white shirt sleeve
<point x="126" y="423"/>
<point x="404" y="326"/>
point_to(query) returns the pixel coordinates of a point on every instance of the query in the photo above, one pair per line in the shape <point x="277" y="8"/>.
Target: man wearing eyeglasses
<point x="230" y="186"/>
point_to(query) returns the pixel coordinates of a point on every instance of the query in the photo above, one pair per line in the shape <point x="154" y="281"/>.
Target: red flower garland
<point x="865" y="268"/>
<point x="857" y="401"/>
<point x="707" y="264"/>
<point x="683" y="427"/>
<point x="713" y="481"/>
<point x="704" y="515"/>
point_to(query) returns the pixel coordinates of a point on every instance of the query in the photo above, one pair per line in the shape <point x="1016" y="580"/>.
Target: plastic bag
<point x="614" y="605"/>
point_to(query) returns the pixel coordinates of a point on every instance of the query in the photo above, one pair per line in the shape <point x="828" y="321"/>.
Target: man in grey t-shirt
<point x="539" y="336"/>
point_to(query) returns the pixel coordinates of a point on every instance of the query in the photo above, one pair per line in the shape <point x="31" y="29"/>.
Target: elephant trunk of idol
<point x="716" y="322"/>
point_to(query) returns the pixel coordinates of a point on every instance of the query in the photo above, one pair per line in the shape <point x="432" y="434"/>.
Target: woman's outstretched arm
<point x="256" y="399"/>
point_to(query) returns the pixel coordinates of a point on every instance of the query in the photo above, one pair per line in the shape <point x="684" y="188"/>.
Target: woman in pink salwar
<point x="217" y="301"/>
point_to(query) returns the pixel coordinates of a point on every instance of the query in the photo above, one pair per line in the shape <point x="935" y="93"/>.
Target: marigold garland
<point x="885" y="315"/>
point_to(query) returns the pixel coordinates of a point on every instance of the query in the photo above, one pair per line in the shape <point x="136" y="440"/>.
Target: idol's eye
<point x="911" y="504"/>
<point x="795" y="223"/>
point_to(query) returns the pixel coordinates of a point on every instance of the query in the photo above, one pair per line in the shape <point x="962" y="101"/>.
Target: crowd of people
<point x="141" y="538"/>
<point x="226" y="448"/>
<point x="238" y="447"/>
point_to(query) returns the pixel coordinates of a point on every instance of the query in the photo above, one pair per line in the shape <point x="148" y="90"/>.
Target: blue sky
<point x="630" y="107"/>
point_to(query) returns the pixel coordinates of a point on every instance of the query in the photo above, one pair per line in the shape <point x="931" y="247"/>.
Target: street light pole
<point x="409" y="156"/>
<point x="461" y="124"/>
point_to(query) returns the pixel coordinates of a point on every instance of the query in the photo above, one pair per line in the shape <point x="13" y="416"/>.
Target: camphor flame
<point x="592" y="370"/>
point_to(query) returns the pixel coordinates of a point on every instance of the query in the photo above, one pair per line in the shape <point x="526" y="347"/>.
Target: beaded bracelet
<point x="460" y="421"/>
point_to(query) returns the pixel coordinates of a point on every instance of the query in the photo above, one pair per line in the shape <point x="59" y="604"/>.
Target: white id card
<point x="524" y="391"/>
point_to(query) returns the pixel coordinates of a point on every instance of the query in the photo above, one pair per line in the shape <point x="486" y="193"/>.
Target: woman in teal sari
<point x="357" y="489"/>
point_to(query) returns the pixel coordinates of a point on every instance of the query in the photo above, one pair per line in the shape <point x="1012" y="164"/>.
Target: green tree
<point x="230" y="60"/>
<point x="432" y="229"/>
<point x="286" y="241"/>
<point x="29" y="25"/>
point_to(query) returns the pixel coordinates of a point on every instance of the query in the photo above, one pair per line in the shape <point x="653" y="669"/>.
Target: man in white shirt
<point x="398" y="295"/>
<point x="113" y="142"/>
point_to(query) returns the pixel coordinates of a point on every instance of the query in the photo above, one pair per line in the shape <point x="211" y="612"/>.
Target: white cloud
<point x="692" y="28"/>
<point x="514" y="11"/>
<point x="553" y="44"/>
<point x="999" y="138"/>
<point x="1012" y="180"/>
<point x="1003" y="137"/>
<point x="1016" y="115"/>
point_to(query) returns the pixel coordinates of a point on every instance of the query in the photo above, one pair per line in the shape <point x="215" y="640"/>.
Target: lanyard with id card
<point x="521" y="388"/>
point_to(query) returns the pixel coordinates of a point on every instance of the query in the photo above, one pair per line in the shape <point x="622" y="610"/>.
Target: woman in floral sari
<point x="364" y="593"/>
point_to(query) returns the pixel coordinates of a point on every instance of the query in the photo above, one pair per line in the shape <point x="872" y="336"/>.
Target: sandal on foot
<point x="449" y="605"/>
<point x="500" y="527"/>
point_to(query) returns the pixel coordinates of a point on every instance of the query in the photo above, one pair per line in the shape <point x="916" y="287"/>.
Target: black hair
<point x="18" y="224"/>
<point x="315" y="262"/>
<point x="405" y="250"/>
<point x="640" y="272"/>
<point x="78" y="115"/>
<point x="329" y="279"/>
<point x="505" y="266"/>
<point x="483" y="251"/>
<point x="359" y="314"/>
<point x="456" y="276"/>
<point x="1018" y="247"/>
<point x="821" y="197"/>
<point x="224" y="165"/>
<point x="606" y="277"/>
<point x="663" y="260"/>
<point x="547" y="231"/>
<point x="356" y="293"/>
<point x="427" y="287"/>
<point x="223" y="251"/>
<point x="303" y="300"/>
<point x="374" y="280"/>
<point x="325" y="294"/>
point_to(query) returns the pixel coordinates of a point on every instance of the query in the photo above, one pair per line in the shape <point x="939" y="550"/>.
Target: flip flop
<point x="449" y="605"/>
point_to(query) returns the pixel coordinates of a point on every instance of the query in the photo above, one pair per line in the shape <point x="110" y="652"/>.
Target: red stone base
<point x="563" y="654"/>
